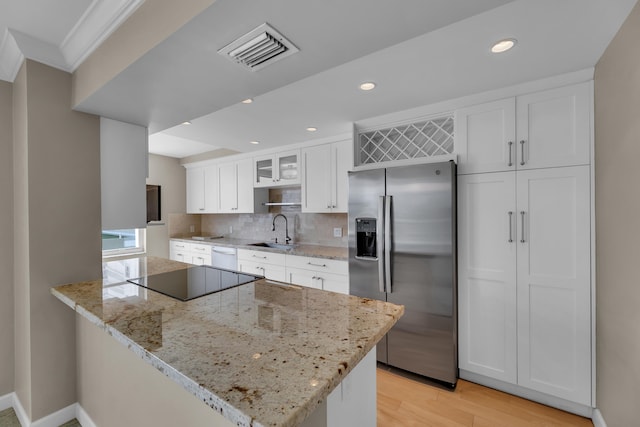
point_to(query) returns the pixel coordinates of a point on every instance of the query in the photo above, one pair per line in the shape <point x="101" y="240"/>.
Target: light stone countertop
<point x="316" y="251"/>
<point x="261" y="354"/>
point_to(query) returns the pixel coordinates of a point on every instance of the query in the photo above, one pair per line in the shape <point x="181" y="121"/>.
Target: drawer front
<point x="298" y="276"/>
<point x="200" y="249"/>
<point x="180" y="246"/>
<point x="181" y="256"/>
<point x="262" y="257"/>
<point x="334" y="282"/>
<point x="201" y="259"/>
<point x="318" y="264"/>
<point x="273" y="272"/>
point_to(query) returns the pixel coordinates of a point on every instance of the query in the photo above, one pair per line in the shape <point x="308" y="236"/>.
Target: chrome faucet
<point x="286" y="227"/>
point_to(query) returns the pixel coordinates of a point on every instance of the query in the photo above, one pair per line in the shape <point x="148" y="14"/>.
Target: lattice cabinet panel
<point x="426" y="138"/>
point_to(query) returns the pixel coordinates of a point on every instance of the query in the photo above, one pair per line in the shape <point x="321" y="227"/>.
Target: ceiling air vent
<point x="258" y="48"/>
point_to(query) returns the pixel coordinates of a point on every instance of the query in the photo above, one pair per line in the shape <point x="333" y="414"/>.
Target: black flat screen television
<point x="153" y="203"/>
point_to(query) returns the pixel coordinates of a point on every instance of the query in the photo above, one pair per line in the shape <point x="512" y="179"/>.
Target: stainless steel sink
<point x="280" y="246"/>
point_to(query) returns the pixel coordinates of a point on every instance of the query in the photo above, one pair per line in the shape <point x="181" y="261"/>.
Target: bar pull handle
<point x="317" y="265"/>
<point x="510" y="153"/>
<point x="256" y="256"/>
<point x="380" y="243"/>
<point x="522" y="152"/>
<point x="387" y="242"/>
<point x="510" y="227"/>
<point x="522" y="240"/>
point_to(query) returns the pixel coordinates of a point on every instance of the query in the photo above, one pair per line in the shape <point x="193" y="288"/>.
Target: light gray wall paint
<point x="123" y="170"/>
<point x="6" y="238"/>
<point x="617" y="140"/>
<point x="117" y="388"/>
<point x="57" y="232"/>
<point x="22" y="371"/>
<point x="171" y="176"/>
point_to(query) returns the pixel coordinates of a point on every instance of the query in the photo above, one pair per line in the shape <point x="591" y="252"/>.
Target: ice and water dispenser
<point x="366" y="239"/>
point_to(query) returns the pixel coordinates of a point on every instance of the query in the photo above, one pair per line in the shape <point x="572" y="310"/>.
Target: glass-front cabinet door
<point x="278" y="169"/>
<point x="263" y="172"/>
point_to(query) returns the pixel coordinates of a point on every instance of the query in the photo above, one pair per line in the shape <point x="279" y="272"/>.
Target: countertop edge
<point x="245" y="244"/>
<point x="216" y="403"/>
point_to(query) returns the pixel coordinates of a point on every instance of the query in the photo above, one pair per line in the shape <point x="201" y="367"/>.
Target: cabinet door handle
<point x="317" y="265"/>
<point x="522" y="152"/>
<point x="510" y="227"/>
<point x="510" y="153"/>
<point x="522" y="240"/>
<point x="256" y="256"/>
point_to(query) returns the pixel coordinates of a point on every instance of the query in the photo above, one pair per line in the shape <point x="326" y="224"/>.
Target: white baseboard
<point x="83" y="418"/>
<point x="598" y="419"/>
<point x="6" y="401"/>
<point x="545" y="399"/>
<point x="52" y="420"/>
<point x="20" y="412"/>
<point x="57" y="418"/>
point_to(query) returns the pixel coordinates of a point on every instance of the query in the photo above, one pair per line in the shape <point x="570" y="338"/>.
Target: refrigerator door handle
<point x="387" y="242"/>
<point x="380" y="249"/>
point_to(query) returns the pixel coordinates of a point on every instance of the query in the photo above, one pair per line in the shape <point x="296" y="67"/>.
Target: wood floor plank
<point x="411" y="403"/>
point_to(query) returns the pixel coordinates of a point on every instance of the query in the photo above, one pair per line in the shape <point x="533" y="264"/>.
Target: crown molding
<point x="98" y="22"/>
<point x="11" y="57"/>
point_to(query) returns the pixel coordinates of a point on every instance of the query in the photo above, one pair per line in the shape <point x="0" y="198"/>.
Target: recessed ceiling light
<point x="254" y="142"/>
<point x="503" y="45"/>
<point x="186" y="123"/>
<point x="247" y="101"/>
<point x="312" y="129"/>
<point x="367" y="85"/>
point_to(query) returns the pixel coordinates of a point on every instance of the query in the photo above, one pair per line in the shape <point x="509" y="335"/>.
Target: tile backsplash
<point x="307" y="228"/>
<point x="180" y="225"/>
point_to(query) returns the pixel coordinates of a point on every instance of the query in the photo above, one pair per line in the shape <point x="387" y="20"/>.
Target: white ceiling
<point x="417" y="51"/>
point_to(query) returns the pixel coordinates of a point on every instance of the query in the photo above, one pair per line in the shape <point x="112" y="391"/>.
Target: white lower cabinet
<point x="268" y="264"/>
<point x="487" y="275"/>
<point x="191" y="253"/>
<point x="525" y="279"/>
<point x="320" y="273"/>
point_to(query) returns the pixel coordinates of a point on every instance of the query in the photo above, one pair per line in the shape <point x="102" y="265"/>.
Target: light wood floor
<point x="404" y="402"/>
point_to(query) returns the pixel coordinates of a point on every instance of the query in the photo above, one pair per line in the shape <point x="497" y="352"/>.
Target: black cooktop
<point x="193" y="282"/>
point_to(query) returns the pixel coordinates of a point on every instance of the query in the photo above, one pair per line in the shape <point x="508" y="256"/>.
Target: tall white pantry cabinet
<point x="524" y="239"/>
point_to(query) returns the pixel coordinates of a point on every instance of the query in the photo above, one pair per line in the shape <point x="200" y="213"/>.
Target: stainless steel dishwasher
<point x="224" y="257"/>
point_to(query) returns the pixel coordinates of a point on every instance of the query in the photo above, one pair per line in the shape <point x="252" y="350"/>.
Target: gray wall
<point x="617" y="136"/>
<point x="6" y="239"/>
<point x="117" y="388"/>
<point x="171" y="175"/>
<point x="57" y="231"/>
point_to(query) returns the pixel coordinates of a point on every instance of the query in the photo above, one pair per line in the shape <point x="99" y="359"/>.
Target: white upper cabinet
<point x="236" y="194"/>
<point x="276" y="170"/>
<point x="228" y="187"/>
<point x="485" y="137"/>
<point x="326" y="182"/>
<point x="202" y="189"/>
<point x="554" y="127"/>
<point x="195" y="190"/>
<point x="543" y="129"/>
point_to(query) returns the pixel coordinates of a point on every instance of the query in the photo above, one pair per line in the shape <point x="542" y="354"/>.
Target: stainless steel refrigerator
<point x="402" y="249"/>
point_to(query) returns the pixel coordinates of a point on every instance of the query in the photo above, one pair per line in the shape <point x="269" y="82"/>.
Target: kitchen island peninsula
<point x="259" y="354"/>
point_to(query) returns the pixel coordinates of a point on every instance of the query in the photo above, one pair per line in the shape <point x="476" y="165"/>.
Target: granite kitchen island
<point x="258" y="354"/>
